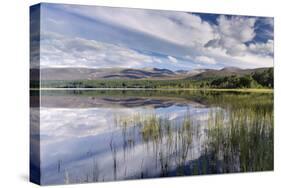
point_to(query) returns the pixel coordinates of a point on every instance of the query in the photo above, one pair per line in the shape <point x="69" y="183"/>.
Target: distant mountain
<point x="104" y="73"/>
<point x="146" y="73"/>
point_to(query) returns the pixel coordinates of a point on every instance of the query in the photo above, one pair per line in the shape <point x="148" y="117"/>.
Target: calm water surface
<point x="89" y="136"/>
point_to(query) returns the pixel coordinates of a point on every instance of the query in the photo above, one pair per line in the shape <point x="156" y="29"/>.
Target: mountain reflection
<point x="114" y="135"/>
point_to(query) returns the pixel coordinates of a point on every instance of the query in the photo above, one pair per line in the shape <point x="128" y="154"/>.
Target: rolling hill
<point x="139" y="74"/>
<point x="104" y="73"/>
<point x="227" y="71"/>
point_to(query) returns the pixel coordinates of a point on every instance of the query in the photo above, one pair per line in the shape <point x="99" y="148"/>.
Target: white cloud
<point x="63" y="123"/>
<point x="262" y="48"/>
<point x="237" y="27"/>
<point x="248" y="60"/>
<point x="172" y="59"/>
<point x="233" y="32"/>
<point x="177" y="34"/>
<point x="205" y="60"/>
<point x="60" y="51"/>
<point x="230" y="47"/>
<point x="177" y="27"/>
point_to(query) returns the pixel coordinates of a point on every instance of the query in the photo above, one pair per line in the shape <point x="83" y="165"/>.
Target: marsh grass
<point x="114" y="157"/>
<point x="243" y="142"/>
<point x="238" y="137"/>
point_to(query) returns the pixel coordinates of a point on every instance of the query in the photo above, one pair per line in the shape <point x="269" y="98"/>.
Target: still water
<point x="89" y="136"/>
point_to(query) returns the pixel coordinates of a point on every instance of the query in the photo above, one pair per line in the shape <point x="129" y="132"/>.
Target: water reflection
<point x="94" y="136"/>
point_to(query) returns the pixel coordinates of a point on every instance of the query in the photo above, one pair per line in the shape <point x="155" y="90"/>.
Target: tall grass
<point x="238" y="137"/>
<point x="242" y="143"/>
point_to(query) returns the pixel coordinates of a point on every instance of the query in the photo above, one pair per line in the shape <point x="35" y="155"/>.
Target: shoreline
<point x="158" y="89"/>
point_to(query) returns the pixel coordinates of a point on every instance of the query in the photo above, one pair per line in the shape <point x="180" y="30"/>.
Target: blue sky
<point x="105" y="37"/>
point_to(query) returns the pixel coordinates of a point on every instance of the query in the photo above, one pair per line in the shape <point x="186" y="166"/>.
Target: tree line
<point x="262" y="79"/>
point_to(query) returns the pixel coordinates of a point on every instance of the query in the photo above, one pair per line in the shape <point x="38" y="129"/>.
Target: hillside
<point x="157" y="78"/>
<point x="227" y="71"/>
<point x="133" y="74"/>
<point x="104" y="73"/>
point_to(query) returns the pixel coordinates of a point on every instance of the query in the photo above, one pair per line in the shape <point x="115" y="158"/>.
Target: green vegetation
<point x="239" y="137"/>
<point x="256" y="80"/>
<point x="264" y="78"/>
<point x="119" y="83"/>
<point x="242" y="143"/>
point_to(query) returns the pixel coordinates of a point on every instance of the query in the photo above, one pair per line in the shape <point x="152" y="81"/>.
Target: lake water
<point x="104" y="135"/>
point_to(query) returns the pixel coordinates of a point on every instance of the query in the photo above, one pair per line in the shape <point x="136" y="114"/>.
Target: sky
<point x="105" y="37"/>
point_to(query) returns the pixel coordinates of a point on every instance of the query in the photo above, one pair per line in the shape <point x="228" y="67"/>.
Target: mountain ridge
<point x="133" y="73"/>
